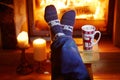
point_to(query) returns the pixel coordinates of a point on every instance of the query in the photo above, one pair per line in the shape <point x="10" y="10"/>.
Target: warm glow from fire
<point x="85" y="9"/>
<point x="87" y="12"/>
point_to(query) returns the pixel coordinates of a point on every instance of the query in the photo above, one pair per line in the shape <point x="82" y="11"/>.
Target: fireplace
<point x="95" y="12"/>
<point x="24" y="17"/>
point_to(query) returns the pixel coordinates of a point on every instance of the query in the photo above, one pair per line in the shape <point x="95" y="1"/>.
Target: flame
<point x="85" y="9"/>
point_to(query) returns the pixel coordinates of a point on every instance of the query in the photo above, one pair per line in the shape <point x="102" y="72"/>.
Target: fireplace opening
<point x="95" y="12"/>
<point x="88" y="10"/>
<point x="25" y="17"/>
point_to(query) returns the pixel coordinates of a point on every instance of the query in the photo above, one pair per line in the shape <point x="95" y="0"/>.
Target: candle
<point x="22" y="40"/>
<point x="39" y="46"/>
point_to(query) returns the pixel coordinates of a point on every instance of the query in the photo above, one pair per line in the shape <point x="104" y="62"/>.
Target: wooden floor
<point x="107" y="68"/>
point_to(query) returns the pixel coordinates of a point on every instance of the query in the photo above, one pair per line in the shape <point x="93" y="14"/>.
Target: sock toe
<point x="68" y="18"/>
<point x="50" y="13"/>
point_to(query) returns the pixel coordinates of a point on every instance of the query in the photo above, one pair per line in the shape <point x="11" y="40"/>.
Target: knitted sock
<point x="52" y="19"/>
<point x="67" y="22"/>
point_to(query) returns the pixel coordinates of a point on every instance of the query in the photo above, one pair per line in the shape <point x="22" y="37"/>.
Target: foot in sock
<point x="52" y="19"/>
<point x="67" y="22"/>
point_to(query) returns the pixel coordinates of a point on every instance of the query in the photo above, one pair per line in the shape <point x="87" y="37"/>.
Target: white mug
<point x="88" y="34"/>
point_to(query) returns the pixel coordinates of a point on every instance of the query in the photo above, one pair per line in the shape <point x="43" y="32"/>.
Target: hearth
<point x="96" y="12"/>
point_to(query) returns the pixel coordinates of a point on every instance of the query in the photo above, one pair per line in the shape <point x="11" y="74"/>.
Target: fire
<point x="85" y="9"/>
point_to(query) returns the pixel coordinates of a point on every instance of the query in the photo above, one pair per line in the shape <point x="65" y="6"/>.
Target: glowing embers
<point x="93" y="12"/>
<point x="85" y="9"/>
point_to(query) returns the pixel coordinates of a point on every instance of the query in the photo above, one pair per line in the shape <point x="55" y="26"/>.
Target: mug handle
<point x="98" y="37"/>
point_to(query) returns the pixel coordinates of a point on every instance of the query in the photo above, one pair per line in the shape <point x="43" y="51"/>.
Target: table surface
<point x="88" y="56"/>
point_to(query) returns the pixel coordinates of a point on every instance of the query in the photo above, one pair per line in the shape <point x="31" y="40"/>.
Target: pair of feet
<point x="57" y="27"/>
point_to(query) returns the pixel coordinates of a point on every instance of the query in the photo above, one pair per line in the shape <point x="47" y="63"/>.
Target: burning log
<point x="84" y="10"/>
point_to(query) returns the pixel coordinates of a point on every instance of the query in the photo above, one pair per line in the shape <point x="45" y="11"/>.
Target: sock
<point x="67" y="22"/>
<point x="52" y="19"/>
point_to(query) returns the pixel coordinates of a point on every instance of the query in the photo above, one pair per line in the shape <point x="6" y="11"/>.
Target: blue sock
<point x="67" y="22"/>
<point x="52" y="19"/>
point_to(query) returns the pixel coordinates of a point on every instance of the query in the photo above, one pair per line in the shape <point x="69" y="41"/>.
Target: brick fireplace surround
<point x="14" y="19"/>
